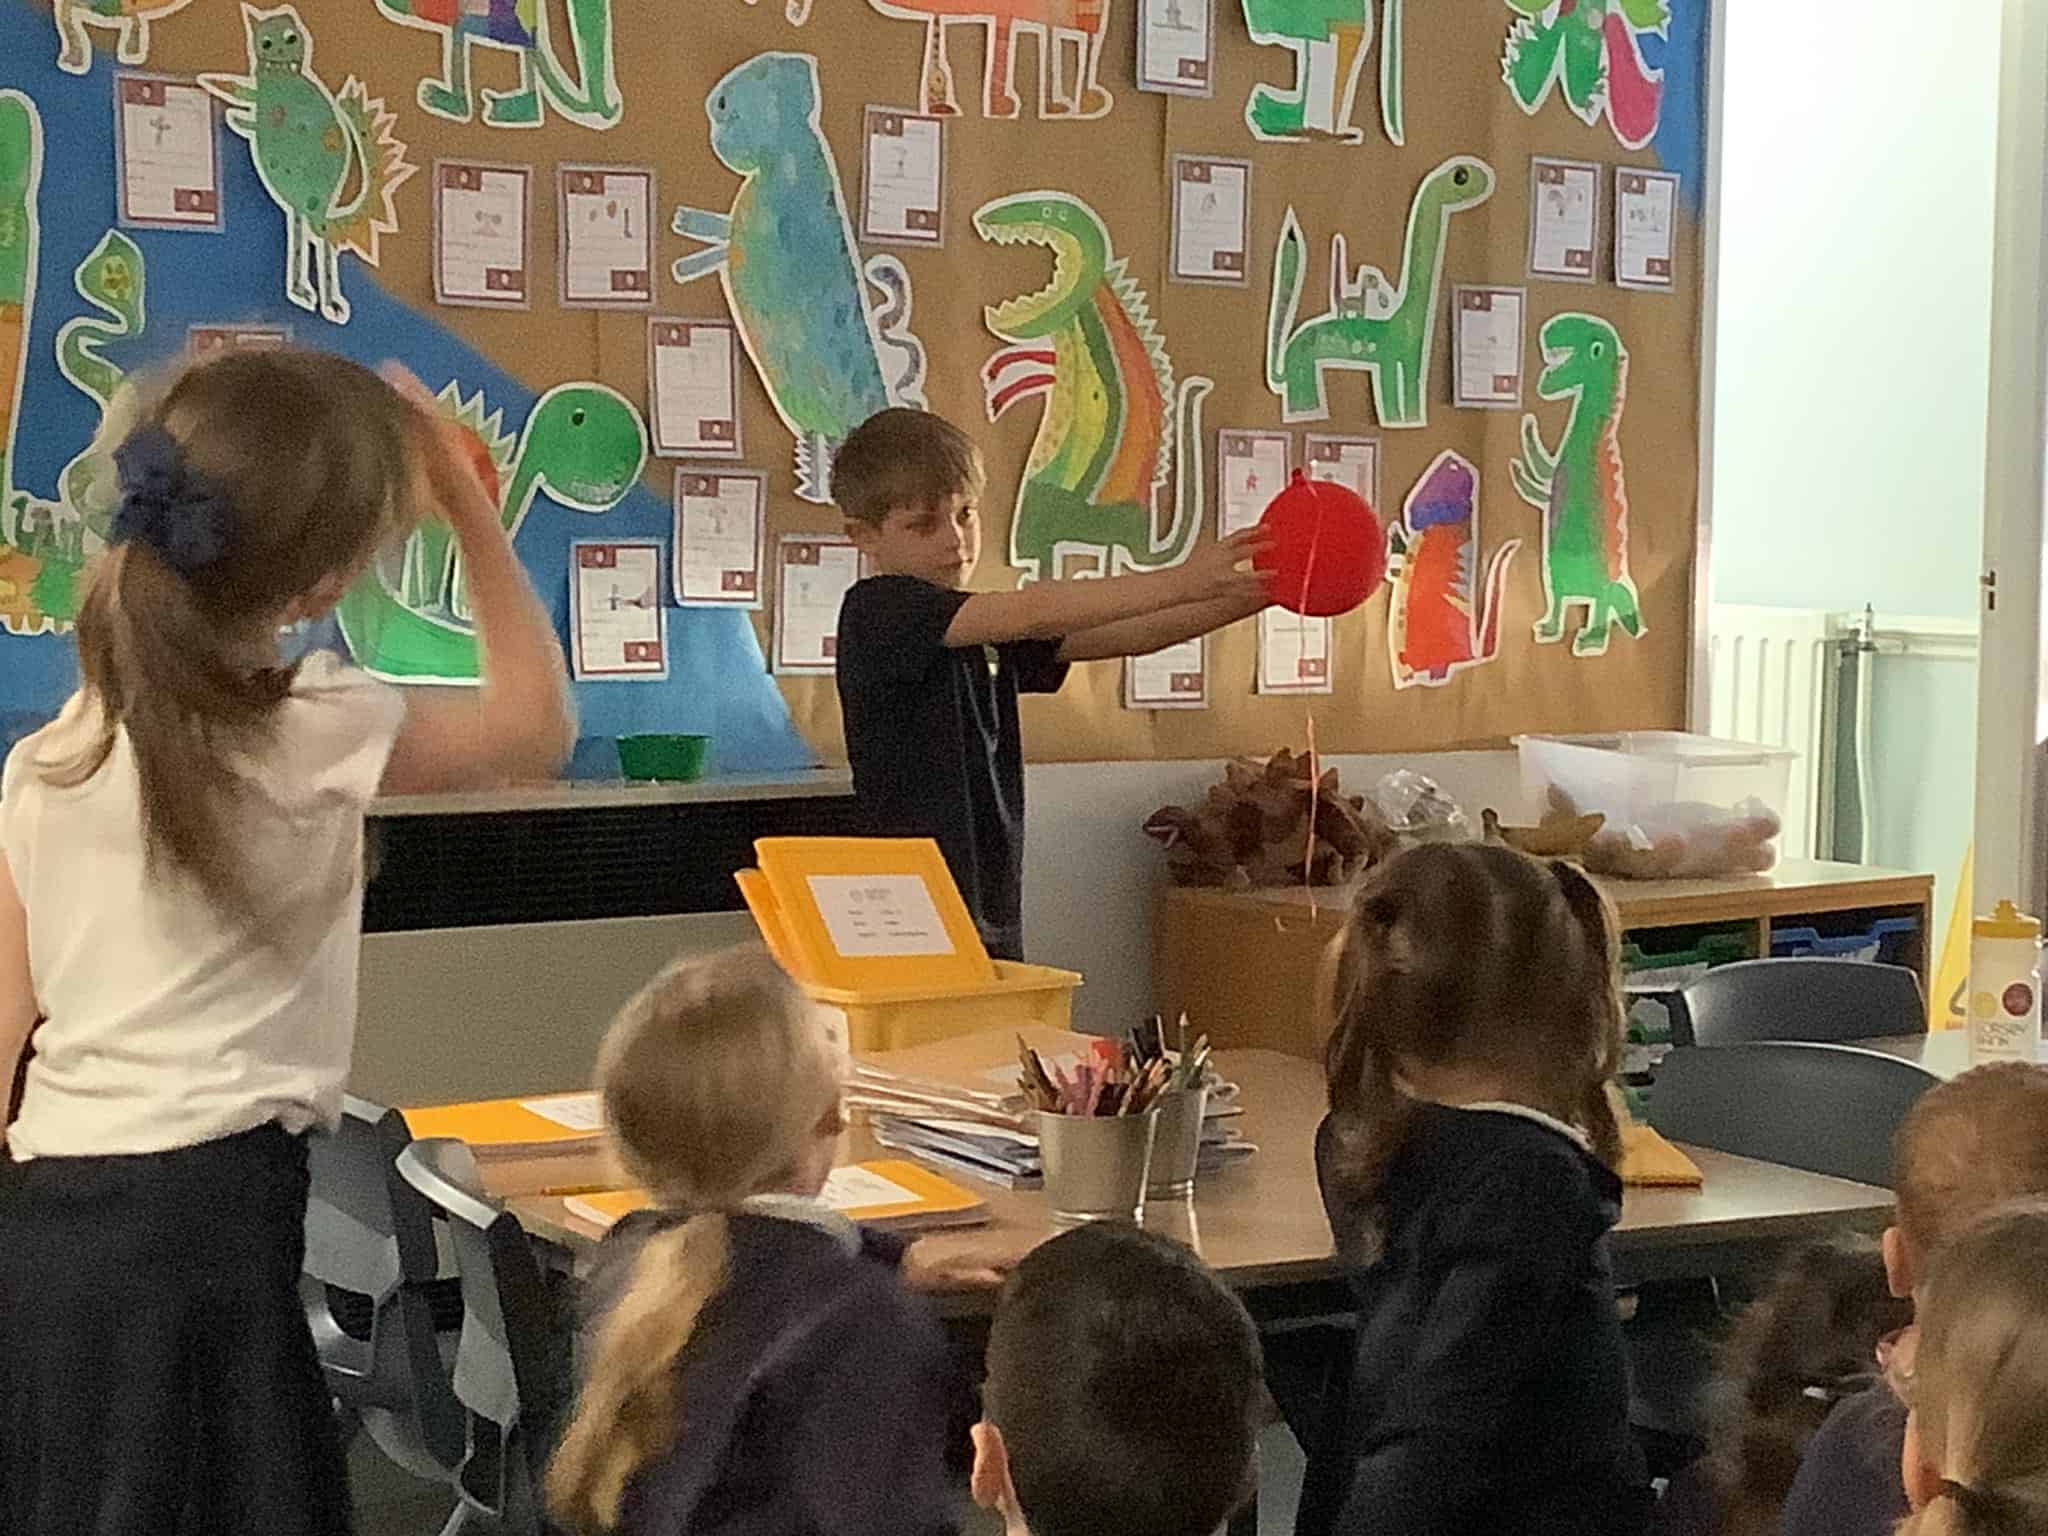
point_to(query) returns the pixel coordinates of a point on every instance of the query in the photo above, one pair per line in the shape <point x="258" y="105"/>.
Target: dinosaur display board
<point x="1541" y="559"/>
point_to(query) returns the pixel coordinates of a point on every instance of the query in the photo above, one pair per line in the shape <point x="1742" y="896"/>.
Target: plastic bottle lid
<point x="2006" y="922"/>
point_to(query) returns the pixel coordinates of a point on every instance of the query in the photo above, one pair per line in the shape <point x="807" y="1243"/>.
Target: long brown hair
<point x="1810" y="1339"/>
<point x="716" y="1081"/>
<point x="1980" y="1385"/>
<point x="306" y="462"/>
<point x="1477" y="956"/>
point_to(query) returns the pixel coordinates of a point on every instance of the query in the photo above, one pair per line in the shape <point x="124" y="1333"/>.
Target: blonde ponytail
<point x="629" y="1413"/>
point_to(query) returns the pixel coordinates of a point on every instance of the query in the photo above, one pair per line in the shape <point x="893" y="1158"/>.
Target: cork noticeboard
<point x="1122" y="165"/>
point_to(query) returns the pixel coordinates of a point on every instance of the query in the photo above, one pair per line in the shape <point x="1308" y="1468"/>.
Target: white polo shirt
<point x="164" y="1026"/>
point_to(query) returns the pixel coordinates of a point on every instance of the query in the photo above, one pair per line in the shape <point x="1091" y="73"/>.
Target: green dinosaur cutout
<point x="1329" y="39"/>
<point x="1088" y="343"/>
<point x="44" y="544"/>
<point x="308" y="145"/>
<point x="584" y="444"/>
<point x="1371" y="325"/>
<point x="521" y="29"/>
<point x="1580" y="488"/>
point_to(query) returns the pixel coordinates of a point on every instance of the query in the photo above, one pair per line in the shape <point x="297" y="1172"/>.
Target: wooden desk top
<point x="1794" y="887"/>
<point x="1261" y="1223"/>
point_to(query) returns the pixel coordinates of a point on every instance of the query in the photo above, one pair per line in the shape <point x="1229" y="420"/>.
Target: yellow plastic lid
<point x="2006" y="922"/>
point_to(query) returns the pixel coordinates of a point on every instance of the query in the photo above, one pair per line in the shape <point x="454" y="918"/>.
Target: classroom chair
<point x="1812" y="1000"/>
<point x="1826" y="1108"/>
<point x="368" y="1286"/>
<point x="512" y="1372"/>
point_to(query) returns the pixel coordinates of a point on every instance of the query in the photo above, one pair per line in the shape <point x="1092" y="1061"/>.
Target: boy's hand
<point x="451" y="472"/>
<point x="1212" y="572"/>
<point x="969" y="1261"/>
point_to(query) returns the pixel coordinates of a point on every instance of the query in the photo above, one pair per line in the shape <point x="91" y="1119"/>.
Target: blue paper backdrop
<point x="718" y="683"/>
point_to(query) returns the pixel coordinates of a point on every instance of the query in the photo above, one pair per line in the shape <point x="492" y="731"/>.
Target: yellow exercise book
<point x="868" y="914"/>
<point x="551" y="1123"/>
<point x="892" y="1194"/>
<point x="1649" y="1161"/>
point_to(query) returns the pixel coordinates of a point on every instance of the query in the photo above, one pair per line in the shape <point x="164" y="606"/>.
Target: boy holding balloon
<point x="929" y="673"/>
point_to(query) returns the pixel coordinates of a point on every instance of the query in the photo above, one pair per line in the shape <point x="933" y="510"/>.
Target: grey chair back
<point x="1815" y="1000"/>
<point x="1828" y="1109"/>
<point x="367" y="1284"/>
<point x="512" y="1370"/>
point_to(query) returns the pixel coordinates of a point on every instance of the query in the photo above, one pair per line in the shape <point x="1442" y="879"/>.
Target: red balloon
<point x="481" y="463"/>
<point x="1327" y="554"/>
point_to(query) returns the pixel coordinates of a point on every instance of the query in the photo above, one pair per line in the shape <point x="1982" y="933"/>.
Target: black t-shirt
<point x="932" y="734"/>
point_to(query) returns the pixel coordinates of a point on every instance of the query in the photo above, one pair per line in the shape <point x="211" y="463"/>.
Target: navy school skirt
<point x="156" y="1374"/>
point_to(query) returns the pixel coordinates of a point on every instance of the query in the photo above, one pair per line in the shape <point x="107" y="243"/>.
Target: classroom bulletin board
<point x="1542" y="527"/>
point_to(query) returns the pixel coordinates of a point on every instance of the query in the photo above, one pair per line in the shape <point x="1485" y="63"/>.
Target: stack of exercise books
<point x="987" y="1133"/>
<point x="565" y="1127"/>
<point x="892" y="1194"/>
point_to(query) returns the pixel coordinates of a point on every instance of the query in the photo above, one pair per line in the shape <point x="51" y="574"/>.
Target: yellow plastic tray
<point x="891" y="1019"/>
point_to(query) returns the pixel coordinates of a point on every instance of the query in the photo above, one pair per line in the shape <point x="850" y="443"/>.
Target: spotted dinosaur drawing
<point x="828" y="357"/>
<point x="1373" y="326"/>
<point x="44" y="544"/>
<point x="1329" y="39"/>
<point x="1594" y="50"/>
<point x="309" y="145"/>
<point x="129" y="20"/>
<point x="521" y="28"/>
<point x="408" y="617"/>
<point x="1087" y="342"/>
<point x="1581" y="488"/>
<point x="1443" y="619"/>
<point x="1060" y="25"/>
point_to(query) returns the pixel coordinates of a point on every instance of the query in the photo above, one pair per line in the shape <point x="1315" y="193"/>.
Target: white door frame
<point x="2010" y="717"/>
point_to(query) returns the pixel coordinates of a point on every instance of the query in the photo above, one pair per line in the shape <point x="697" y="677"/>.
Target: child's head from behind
<point x="1124" y="1391"/>
<point x="1808" y="1341"/>
<point x="910" y="485"/>
<point x="1470" y="965"/>
<point x="1976" y="1453"/>
<point x="1966" y="1146"/>
<point x="721" y="1081"/>
<point x="253" y="488"/>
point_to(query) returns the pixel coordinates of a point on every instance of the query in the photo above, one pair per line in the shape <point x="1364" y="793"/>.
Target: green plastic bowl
<point x="671" y="759"/>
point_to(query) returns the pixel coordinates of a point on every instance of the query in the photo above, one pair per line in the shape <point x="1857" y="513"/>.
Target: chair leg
<point x="458" y="1520"/>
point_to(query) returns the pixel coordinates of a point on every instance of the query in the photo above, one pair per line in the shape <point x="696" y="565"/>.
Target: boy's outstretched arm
<point x="1156" y="631"/>
<point x="1057" y="610"/>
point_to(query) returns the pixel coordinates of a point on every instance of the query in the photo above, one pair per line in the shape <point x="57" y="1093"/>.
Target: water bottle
<point x="2005" y="986"/>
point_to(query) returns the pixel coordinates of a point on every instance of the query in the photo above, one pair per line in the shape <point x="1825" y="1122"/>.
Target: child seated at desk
<point x="1965" y="1147"/>
<point x="1976" y="1449"/>
<point x="812" y="1385"/>
<point x="1468" y="1166"/>
<point x="1123" y="1394"/>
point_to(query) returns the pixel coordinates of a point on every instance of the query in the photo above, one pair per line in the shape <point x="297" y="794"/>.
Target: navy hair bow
<point x="166" y="504"/>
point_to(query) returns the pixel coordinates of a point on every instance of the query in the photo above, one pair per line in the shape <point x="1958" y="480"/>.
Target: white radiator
<point x="1770" y="680"/>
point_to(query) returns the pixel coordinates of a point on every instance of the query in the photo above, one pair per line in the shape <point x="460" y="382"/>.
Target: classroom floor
<point x="390" y="1502"/>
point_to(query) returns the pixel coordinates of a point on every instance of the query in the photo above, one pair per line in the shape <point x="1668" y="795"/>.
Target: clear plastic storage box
<point x="1656" y="782"/>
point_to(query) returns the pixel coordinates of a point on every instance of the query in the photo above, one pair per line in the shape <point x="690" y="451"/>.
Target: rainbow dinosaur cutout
<point x="1442" y="619"/>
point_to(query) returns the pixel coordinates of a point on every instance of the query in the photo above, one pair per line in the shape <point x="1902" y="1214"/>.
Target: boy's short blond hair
<point x="1968" y="1145"/>
<point x="903" y="458"/>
